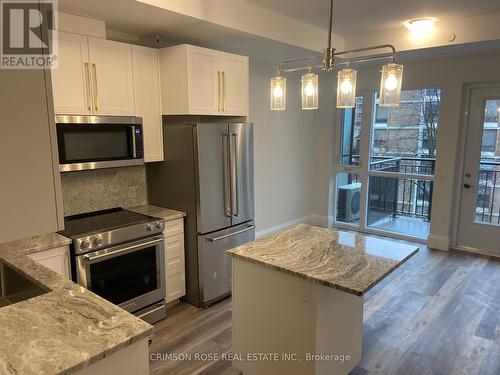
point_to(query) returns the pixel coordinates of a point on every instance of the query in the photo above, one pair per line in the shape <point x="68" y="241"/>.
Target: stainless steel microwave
<point x="96" y="142"/>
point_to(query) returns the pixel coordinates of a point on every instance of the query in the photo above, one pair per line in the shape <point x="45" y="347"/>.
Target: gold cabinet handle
<point x="223" y="91"/>
<point x="96" y="94"/>
<point x="88" y="95"/>
<point x="218" y="92"/>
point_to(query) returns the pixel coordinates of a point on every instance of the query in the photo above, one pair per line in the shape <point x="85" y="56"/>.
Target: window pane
<point x="488" y="186"/>
<point x="400" y="205"/>
<point x="348" y="198"/>
<point x="351" y="134"/>
<point x="404" y="138"/>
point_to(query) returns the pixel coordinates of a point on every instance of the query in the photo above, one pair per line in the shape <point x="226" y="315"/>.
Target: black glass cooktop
<point x="101" y="221"/>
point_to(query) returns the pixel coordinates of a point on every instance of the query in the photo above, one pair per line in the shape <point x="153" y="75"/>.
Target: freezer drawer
<point x="215" y="264"/>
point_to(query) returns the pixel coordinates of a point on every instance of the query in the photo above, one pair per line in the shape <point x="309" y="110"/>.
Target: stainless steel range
<point x="119" y="255"/>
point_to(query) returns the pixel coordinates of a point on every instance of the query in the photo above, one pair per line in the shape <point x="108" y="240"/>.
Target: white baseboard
<point x="438" y="242"/>
<point x="280" y="227"/>
<point x="319" y="220"/>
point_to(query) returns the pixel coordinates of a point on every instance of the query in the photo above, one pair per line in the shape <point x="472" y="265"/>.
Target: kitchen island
<point x="298" y="298"/>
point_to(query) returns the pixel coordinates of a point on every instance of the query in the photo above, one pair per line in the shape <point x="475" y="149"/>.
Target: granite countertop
<point x="63" y="330"/>
<point x="157" y="211"/>
<point x="39" y="243"/>
<point x="344" y="260"/>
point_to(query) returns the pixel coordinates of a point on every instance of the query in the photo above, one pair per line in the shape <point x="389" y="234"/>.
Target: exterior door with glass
<point x="479" y="219"/>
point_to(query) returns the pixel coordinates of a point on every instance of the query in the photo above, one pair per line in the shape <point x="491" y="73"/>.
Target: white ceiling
<point x="145" y="21"/>
<point x="363" y="16"/>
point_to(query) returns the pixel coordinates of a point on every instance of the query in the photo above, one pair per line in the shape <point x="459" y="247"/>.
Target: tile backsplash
<point x="88" y="191"/>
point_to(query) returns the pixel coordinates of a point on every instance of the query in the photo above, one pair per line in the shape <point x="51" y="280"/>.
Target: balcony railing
<point x="488" y="193"/>
<point x="412" y="197"/>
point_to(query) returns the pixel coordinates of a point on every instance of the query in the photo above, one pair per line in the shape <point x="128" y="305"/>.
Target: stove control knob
<point x="85" y="244"/>
<point x="98" y="241"/>
<point x="158" y="225"/>
<point x="150" y="227"/>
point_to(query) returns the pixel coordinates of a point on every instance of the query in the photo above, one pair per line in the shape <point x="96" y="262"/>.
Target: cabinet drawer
<point x="175" y="258"/>
<point x="175" y="268"/>
<point x="56" y="259"/>
<point x="175" y="287"/>
<point x="174" y="244"/>
<point x="174" y="227"/>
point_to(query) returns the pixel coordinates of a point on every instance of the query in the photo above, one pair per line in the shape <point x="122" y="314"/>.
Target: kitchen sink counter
<point x="157" y="211"/>
<point x="39" y="243"/>
<point x="343" y="260"/>
<point x="64" y="330"/>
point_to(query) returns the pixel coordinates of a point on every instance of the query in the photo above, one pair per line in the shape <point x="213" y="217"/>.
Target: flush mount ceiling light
<point x="390" y="83"/>
<point x="420" y="28"/>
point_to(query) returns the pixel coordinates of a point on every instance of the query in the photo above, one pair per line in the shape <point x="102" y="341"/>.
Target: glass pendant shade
<point x="278" y="93"/>
<point x="346" y="88"/>
<point x="309" y="91"/>
<point x="390" y="85"/>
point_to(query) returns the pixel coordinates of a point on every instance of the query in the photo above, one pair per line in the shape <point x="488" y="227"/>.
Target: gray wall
<point x="284" y="152"/>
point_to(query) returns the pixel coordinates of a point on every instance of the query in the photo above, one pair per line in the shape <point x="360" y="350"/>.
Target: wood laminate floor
<point x="439" y="314"/>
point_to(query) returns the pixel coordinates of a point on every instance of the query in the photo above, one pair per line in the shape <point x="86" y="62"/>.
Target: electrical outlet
<point x="132" y="191"/>
<point x="306" y="292"/>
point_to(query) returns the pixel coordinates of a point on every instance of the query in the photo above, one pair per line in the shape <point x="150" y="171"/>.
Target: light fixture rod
<point x="311" y="58"/>
<point x="331" y="27"/>
<point x="354" y="60"/>
<point x="381" y="46"/>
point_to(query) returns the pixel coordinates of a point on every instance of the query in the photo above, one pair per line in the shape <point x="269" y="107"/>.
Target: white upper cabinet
<point x="112" y="77"/>
<point x="145" y="62"/>
<point x="203" y="85"/>
<point x="94" y="77"/>
<point x="201" y="81"/>
<point x="71" y="80"/>
<point x="234" y="84"/>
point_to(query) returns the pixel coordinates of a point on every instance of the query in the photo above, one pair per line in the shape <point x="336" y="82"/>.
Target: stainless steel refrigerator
<point x="208" y="173"/>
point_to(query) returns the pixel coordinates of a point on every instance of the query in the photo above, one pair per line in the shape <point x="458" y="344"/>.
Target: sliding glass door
<point x="385" y="163"/>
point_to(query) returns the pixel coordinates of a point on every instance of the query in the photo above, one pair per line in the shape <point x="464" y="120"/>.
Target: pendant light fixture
<point x="278" y="93"/>
<point x="309" y="91"/>
<point x="390" y="85"/>
<point x="390" y="82"/>
<point x="346" y="88"/>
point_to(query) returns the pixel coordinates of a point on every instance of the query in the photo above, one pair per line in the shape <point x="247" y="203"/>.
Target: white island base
<point x="280" y="321"/>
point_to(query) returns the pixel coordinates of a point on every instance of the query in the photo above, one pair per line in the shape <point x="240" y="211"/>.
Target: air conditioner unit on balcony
<point x="348" y="202"/>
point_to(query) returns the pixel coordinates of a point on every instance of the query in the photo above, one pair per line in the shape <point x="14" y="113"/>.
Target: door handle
<point x="233" y="152"/>
<point x="87" y="93"/>
<point x="467" y="186"/>
<point x="225" y="170"/>
<point x="214" y="239"/>
<point x="218" y="91"/>
<point x="223" y="91"/>
<point x="96" y="94"/>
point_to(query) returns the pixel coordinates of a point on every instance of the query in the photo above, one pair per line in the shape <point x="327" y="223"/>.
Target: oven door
<point x="103" y="142"/>
<point x="131" y="276"/>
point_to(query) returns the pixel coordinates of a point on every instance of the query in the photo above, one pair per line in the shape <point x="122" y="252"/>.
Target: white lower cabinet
<point x="174" y="260"/>
<point x="56" y="259"/>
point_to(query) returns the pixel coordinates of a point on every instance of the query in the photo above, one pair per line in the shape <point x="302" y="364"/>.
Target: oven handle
<point x="127" y="249"/>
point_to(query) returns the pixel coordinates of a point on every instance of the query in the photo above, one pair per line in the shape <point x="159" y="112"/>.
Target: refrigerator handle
<point x="233" y="154"/>
<point x="227" y="187"/>
<point x="215" y="239"/>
